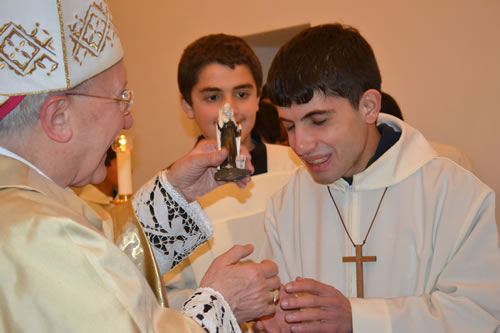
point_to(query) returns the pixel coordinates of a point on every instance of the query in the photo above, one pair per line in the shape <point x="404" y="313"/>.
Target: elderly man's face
<point x="97" y="123"/>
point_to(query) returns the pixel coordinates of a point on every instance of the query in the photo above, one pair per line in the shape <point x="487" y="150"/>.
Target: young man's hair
<point x="220" y="49"/>
<point x="332" y="59"/>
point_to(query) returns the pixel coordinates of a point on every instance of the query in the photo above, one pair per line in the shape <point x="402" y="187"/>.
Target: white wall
<point x="439" y="58"/>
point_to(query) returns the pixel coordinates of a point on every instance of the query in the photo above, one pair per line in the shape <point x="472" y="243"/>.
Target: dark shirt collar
<point x="259" y="154"/>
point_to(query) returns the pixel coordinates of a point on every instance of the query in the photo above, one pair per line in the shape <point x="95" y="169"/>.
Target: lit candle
<point x="123" y="146"/>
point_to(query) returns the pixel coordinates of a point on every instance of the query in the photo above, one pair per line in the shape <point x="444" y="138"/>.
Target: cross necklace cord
<point x="358" y="259"/>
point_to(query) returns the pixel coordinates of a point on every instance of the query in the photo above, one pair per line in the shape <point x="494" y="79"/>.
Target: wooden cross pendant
<point x="359" y="259"/>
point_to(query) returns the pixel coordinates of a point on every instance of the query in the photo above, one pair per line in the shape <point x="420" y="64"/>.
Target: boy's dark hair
<point x="332" y="58"/>
<point x="220" y="49"/>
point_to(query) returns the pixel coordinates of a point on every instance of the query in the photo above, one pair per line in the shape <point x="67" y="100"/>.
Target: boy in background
<point x="215" y="70"/>
<point x="219" y="69"/>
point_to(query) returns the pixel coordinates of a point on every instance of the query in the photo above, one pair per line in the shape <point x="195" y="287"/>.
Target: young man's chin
<point x="323" y="177"/>
<point x="322" y="180"/>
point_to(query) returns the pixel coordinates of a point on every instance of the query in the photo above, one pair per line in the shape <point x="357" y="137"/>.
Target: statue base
<point x="232" y="174"/>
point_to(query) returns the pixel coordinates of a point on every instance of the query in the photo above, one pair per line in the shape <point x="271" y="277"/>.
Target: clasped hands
<point x="246" y="287"/>
<point x="306" y="305"/>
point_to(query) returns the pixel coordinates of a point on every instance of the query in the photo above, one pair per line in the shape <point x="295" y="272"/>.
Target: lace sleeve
<point x="209" y="309"/>
<point x="174" y="227"/>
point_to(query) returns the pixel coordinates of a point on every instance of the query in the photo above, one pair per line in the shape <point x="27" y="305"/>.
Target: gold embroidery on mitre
<point x="91" y="34"/>
<point x="24" y="52"/>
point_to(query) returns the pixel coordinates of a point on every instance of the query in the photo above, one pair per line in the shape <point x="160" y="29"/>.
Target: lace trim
<point x="174" y="227"/>
<point x="210" y="310"/>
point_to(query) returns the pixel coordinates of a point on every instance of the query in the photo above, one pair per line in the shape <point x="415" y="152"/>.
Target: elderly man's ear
<point x="55" y="118"/>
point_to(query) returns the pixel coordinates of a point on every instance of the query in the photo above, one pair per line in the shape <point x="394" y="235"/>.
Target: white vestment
<point x="435" y="238"/>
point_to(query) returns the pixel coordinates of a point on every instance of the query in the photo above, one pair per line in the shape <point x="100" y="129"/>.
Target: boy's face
<point x="218" y="84"/>
<point x="332" y="138"/>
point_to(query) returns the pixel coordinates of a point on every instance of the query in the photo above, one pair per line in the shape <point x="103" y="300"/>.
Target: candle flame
<point x="122" y="144"/>
<point x="122" y="140"/>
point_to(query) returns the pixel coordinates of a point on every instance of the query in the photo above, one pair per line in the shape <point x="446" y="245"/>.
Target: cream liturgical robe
<point x="60" y="274"/>
<point x="435" y="239"/>
<point x="98" y="201"/>
<point x="120" y="225"/>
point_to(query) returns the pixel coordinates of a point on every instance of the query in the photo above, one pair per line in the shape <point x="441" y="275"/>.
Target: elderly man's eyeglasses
<point x="126" y="99"/>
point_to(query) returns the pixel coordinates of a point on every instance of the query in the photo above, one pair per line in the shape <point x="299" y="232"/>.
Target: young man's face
<point x="332" y="138"/>
<point x="217" y="85"/>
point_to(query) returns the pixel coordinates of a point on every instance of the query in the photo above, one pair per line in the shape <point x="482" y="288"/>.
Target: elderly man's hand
<point x="193" y="174"/>
<point x="247" y="287"/>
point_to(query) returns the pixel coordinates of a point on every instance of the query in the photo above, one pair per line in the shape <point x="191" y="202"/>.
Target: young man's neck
<point x="370" y="149"/>
<point x="372" y="144"/>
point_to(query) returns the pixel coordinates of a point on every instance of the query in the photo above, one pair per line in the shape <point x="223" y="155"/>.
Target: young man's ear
<point x="188" y="109"/>
<point x="54" y="118"/>
<point x="370" y="105"/>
